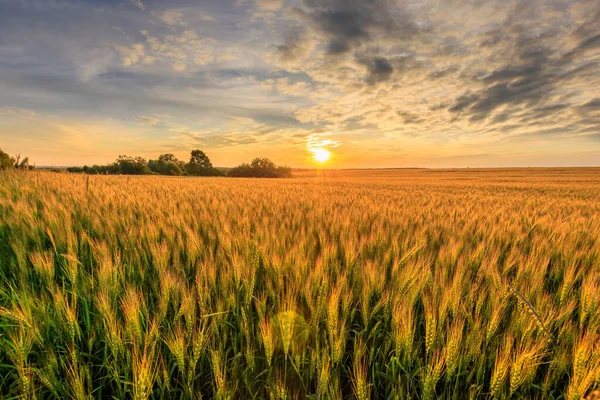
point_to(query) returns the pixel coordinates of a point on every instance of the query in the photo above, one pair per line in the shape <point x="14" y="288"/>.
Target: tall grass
<point x="393" y="285"/>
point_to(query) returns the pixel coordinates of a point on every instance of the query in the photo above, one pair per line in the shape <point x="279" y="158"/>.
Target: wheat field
<point x="406" y="284"/>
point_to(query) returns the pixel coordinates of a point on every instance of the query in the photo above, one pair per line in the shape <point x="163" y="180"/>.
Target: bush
<point x="171" y="169"/>
<point x="283" y="171"/>
<point x="241" y="171"/>
<point x="132" y="166"/>
<point x="260" y="168"/>
<point x="75" y="170"/>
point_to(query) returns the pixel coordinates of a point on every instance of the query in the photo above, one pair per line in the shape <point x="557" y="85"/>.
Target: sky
<point x="377" y="83"/>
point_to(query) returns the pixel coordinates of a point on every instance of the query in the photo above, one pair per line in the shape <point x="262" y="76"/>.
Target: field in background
<point x="383" y="284"/>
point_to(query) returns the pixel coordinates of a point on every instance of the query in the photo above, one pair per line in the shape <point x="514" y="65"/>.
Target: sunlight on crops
<point x="338" y="284"/>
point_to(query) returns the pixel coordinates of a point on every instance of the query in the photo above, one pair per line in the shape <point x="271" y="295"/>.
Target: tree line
<point x="166" y="164"/>
<point x="7" y="162"/>
<point x="198" y="165"/>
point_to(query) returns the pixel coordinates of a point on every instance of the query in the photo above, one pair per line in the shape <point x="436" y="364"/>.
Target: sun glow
<point x="320" y="154"/>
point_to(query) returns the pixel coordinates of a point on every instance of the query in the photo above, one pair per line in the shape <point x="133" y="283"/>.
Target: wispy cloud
<point x="138" y="4"/>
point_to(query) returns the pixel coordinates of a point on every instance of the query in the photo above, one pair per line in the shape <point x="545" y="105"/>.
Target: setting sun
<point x="320" y="154"/>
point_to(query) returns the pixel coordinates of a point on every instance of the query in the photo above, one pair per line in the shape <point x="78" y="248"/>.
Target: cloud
<point x="531" y="70"/>
<point x="182" y="50"/>
<point x="370" y="37"/>
<point x="217" y="140"/>
<point x="443" y="72"/>
<point x="207" y="18"/>
<point x="171" y="17"/>
<point x="592" y="105"/>
<point x="315" y="140"/>
<point x="271" y="5"/>
<point x="349" y="24"/>
<point x="131" y="55"/>
<point x="511" y="71"/>
<point x="138" y="4"/>
<point x="410" y="118"/>
<point x="379" y="69"/>
<point x="155" y="119"/>
<point x="236" y="131"/>
<point x="17" y="112"/>
<point x="294" y="46"/>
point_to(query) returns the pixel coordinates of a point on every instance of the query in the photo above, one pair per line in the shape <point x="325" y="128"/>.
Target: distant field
<point x="334" y="284"/>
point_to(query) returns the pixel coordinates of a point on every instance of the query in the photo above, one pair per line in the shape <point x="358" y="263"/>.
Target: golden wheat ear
<point x="531" y="311"/>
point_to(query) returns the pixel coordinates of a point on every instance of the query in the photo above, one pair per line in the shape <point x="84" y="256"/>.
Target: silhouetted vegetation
<point x="5" y="160"/>
<point x="8" y="162"/>
<point x="132" y="166"/>
<point x="198" y="165"/>
<point x="167" y="164"/>
<point x="261" y="168"/>
<point x="110" y="169"/>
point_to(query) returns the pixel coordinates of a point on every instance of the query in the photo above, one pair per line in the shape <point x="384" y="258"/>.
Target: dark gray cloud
<point x="443" y="72"/>
<point x="592" y="106"/>
<point x="294" y="44"/>
<point x="346" y="24"/>
<point x="350" y="28"/>
<point x="380" y="69"/>
<point x="586" y="44"/>
<point x="534" y="69"/>
<point x="410" y="118"/>
<point x="485" y="66"/>
<point x="463" y="102"/>
<point x="591" y="24"/>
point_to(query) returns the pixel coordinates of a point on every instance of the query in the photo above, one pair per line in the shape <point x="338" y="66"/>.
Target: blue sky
<point x="379" y="83"/>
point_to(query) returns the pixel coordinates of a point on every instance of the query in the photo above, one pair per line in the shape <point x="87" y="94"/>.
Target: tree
<point x="262" y="163"/>
<point x="10" y="162"/>
<point x="104" y="169"/>
<point x="200" y="165"/>
<point x="154" y="166"/>
<point x="24" y="164"/>
<point x="263" y="167"/>
<point x="167" y="164"/>
<point x="167" y="158"/>
<point x="132" y="165"/>
<point x="5" y="161"/>
<point x="171" y="168"/>
<point x="199" y="159"/>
